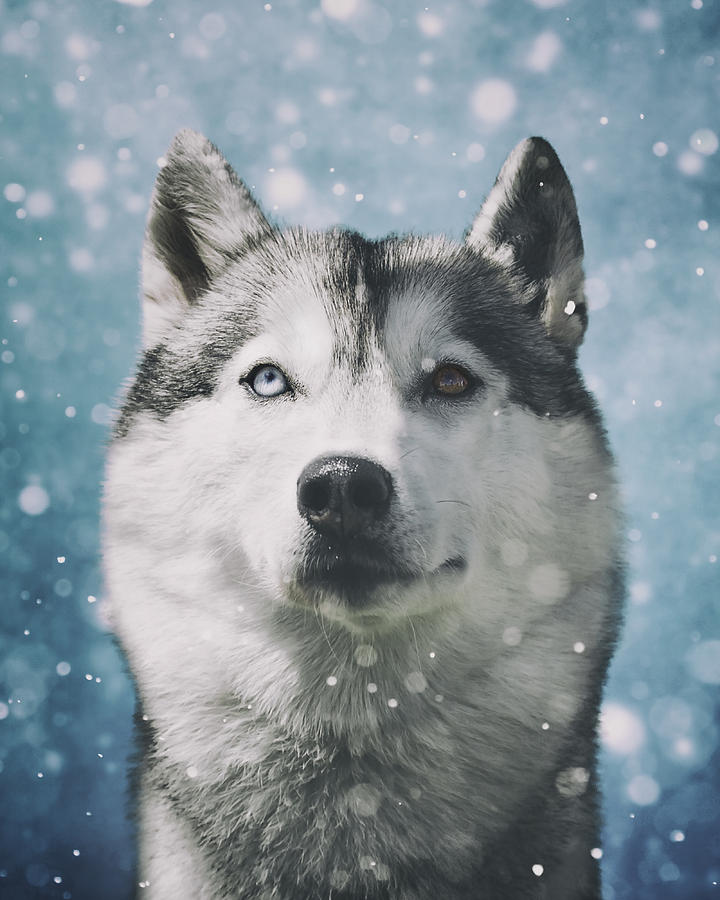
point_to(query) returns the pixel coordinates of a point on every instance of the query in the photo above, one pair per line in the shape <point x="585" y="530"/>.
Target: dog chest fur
<point x="421" y="793"/>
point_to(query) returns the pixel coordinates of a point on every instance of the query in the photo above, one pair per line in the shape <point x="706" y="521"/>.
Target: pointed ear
<point x="530" y="221"/>
<point x="201" y="214"/>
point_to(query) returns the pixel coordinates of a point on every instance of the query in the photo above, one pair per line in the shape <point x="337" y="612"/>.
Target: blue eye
<point x="268" y="381"/>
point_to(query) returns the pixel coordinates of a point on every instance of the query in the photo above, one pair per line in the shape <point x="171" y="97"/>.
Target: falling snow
<point x="493" y="101"/>
<point x="381" y="116"/>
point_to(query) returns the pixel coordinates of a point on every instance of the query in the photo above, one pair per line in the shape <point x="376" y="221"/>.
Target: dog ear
<point x="530" y="221"/>
<point x="201" y="215"/>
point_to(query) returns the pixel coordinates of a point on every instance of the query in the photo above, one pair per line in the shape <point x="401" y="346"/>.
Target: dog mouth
<point x="355" y="578"/>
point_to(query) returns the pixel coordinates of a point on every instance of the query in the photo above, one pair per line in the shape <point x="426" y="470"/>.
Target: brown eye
<point x="450" y="380"/>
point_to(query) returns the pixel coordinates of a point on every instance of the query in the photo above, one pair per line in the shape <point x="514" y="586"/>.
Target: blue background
<point x="391" y="116"/>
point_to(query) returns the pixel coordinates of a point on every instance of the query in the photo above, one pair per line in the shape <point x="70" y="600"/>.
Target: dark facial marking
<point x="474" y="292"/>
<point x="166" y="379"/>
<point x="174" y="243"/>
<point x="476" y="296"/>
<point x="344" y="259"/>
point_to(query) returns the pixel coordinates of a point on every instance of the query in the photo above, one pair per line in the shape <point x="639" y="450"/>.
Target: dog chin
<point x="368" y="599"/>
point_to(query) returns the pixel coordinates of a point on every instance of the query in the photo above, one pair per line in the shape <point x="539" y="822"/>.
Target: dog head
<point x="371" y="429"/>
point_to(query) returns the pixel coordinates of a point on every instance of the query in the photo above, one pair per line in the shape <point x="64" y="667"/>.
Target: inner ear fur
<point x="530" y="222"/>
<point x="201" y="215"/>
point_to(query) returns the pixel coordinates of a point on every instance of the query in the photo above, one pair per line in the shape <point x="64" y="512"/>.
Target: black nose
<point x="343" y="495"/>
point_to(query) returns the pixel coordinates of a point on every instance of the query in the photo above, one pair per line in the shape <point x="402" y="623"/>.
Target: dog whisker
<point x="319" y="617"/>
<point x="415" y="641"/>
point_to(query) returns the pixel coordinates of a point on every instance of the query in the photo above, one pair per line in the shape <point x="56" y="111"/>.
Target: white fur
<point x="482" y="227"/>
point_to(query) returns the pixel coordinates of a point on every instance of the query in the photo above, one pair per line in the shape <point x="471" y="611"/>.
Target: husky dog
<point x="362" y="548"/>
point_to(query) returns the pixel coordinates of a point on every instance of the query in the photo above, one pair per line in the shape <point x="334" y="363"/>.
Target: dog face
<point x="372" y="430"/>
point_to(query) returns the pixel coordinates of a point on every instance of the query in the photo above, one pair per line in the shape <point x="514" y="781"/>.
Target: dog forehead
<point x="307" y="289"/>
<point x="296" y="320"/>
<point x="352" y="297"/>
<point x="435" y="295"/>
<point x="418" y="326"/>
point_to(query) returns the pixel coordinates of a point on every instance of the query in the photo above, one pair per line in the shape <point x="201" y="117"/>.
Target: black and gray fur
<point x="369" y="622"/>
